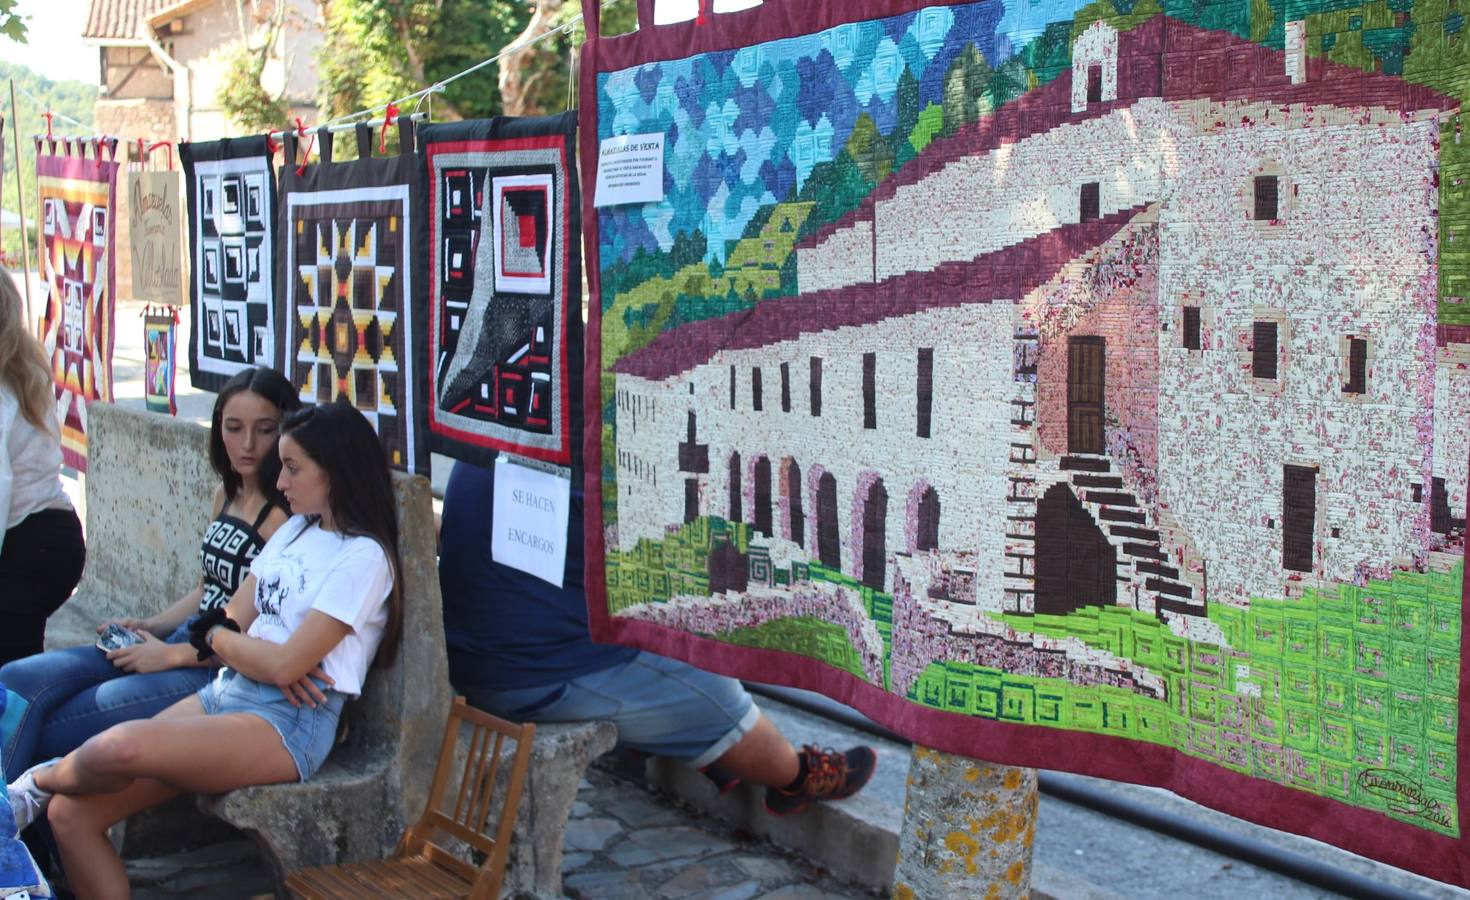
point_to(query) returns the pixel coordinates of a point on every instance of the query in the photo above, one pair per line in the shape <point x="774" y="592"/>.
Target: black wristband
<point x="202" y="624"/>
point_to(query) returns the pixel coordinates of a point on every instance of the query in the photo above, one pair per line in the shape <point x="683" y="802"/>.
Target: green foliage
<point x="966" y="86"/>
<point x="836" y="187"/>
<point x="12" y="24"/>
<point x="73" y="99"/>
<point x="374" y="51"/>
<point x="1050" y="54"/>
<point x="249" y="105"/>
<point x="1109" y="11"/>
<point x="378" y="50"/>
<point x="1454" y="226"/>
<point x="804" y="636"/>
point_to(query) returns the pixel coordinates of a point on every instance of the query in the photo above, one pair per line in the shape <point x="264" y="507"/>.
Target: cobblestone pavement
<point x="621" y="842"/>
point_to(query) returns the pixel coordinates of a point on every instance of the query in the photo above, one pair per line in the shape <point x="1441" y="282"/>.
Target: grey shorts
<point x="660" y="706"/>
<point x="308" y="733"/>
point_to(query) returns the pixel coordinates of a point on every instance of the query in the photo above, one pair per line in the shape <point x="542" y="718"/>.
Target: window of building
<point x="1357" y="366"/>
<point x="732" y="387"/>
<point x="1263" y="350"/>
<point x="926" y="389"/>
<point x="1090" y="209"/>
<point x="1298" y="517"/>
<point x="870" y="390"/>
<point x="1191" y="328"/>
<point x="1094" y="83"/>
<point x="737" y="493"/>
<point x="927" y="533"/>
<point x="755" y="389"/>
<point x="816" y="385"/>
<point x="785" y="387"/>
<point x="1267" y="196"/>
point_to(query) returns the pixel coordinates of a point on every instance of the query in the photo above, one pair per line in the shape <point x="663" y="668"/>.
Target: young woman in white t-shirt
<point x="320" y="603"/>
<point x="41" y="548"/>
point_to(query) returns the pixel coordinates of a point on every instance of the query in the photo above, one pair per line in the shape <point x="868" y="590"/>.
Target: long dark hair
<point x="274" y="388"/>
<point x="359" y="489"/>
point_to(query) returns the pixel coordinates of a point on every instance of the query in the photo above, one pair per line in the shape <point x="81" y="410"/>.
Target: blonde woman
<point x="41" y="548"/>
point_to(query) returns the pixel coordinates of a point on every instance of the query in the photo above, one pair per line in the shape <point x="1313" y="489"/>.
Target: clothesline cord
<point x="438" y="86"/>
<point x="44" y="106"/>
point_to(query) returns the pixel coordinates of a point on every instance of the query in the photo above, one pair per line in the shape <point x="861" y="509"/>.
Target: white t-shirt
<point x="304" y="568"/>
<point x="30" y="466"/>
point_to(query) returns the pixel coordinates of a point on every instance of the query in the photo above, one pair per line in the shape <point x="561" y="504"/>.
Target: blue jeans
<point x="75" y="693"/>
<point x="660" y="705"/>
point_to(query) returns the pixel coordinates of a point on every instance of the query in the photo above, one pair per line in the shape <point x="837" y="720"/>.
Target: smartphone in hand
<point x="116" y="637"/>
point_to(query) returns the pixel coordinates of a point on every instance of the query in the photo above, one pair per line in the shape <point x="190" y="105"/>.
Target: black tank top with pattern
<point x="230" y="544"/>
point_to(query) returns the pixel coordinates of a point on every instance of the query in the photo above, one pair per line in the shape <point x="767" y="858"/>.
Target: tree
<point x="536" y="80"/>
<point x="72" y="99"/>
<point x="241" y="94"/>
<point x="378" y="50"/>
<point x="12" y="23"/>
<point x="374" y="51"/>
<point x="522" y="72"/>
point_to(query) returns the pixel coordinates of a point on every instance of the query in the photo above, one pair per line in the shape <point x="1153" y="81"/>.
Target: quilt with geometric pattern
<point x="1081" y="386"/>
<point x="505" y="321"/>
<point x="77" y="247"/>
<point x="351" y="289"/>
<point x="231" y="219"/>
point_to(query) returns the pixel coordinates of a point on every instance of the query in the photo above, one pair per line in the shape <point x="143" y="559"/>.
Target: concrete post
<point x="968" y="828"/>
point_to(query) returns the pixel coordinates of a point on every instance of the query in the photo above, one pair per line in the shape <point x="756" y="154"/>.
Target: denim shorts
<point x="660" y="705"/>
<point x="308" y="733"/>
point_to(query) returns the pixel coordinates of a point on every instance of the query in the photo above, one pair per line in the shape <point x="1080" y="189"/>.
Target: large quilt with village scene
<point x="1075" y="386"/>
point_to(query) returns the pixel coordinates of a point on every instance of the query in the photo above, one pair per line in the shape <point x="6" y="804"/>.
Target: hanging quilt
<point x="1076" y="392"/>
<point x="155" y="236"/>
<point x="159" y="327"/>
<point x="232" y="215"/>
<point x="505" y="319"/>
<point x="352" y="289"/>
<point x="77" y="246"/>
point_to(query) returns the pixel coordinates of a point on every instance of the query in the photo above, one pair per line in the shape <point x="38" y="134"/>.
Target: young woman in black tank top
<point x="75" y="693"/>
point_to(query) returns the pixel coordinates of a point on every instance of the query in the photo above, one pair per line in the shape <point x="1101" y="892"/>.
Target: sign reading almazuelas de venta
<point x="630" y="169"/>
<point x="156" y="236"/>
<point x="530" y="524"/>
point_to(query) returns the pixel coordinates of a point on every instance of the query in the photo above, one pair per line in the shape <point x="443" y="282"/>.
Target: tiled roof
<point x="119" y="18"/>
<point x="1006" y="274"/>
<point x="1167" y="58"/>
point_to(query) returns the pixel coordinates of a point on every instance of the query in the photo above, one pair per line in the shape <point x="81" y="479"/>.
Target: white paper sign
<point x="530" y="525"/>
<point x="630" y="169"/>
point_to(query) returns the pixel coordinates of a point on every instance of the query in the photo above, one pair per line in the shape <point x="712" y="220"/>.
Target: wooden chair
<point x="420" y="868"/>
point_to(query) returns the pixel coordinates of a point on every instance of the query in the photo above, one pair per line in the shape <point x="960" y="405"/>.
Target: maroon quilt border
<point x="1359" y="831"/>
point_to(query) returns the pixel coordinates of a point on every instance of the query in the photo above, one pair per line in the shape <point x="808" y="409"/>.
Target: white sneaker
<point x="28" y="802"/>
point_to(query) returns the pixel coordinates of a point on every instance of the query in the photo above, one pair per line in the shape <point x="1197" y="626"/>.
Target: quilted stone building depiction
<point x="1135" y="404"/>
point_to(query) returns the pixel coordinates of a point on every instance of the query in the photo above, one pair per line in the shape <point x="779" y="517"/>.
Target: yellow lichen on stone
<point x="1016" y="870"/>
<point x="963" y="846"/>
<point x="903" y="892"/>
<point x="1013" y="779"/>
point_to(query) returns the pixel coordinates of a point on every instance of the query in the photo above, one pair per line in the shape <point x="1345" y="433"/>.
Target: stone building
<point x="1151" y="336"/>
<point x="161" y="65"/>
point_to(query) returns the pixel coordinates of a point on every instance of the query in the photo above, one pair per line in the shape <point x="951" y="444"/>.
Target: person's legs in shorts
<point x="672" y="709"/>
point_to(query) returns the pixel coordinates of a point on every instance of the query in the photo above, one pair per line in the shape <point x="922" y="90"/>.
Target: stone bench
<point x="147" y="497"/>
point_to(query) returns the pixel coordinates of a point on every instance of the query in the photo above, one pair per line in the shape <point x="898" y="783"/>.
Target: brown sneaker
<point x="829" y="776"/>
